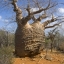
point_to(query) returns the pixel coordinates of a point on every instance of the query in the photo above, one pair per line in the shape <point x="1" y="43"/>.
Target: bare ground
<point x="54" y="57"/>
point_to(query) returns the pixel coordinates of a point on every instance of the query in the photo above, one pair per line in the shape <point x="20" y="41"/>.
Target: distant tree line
<point x="54" y="40"/>
<point x="6" y="38"/>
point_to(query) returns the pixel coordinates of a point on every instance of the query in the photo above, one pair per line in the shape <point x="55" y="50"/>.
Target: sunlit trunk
<point x="29" y="39"/>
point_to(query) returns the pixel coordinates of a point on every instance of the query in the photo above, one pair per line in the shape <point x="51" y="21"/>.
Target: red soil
<point x="57" y="58"/>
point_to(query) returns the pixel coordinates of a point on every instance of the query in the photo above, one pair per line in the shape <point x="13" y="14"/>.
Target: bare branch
<point x="17" y="10"/>
<point x="43" y="9"/>
<point x="53" y="20"/>
<point x="27" y="18"/>
<point x="31" y="14"/>
<point x="49" y="21"/>
<point x="51" y="26"/>
<point x="28" y="9"/>
<point x="36" y="2"/>
<point x="43" y="16"/>
<point x="58" y="24"/>
<point x="33" y="18"/>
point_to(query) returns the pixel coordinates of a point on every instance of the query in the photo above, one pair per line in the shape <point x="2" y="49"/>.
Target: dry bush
<point x="6" y="55"/>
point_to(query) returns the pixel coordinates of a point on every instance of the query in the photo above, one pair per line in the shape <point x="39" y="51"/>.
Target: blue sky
<point x="7" y="13"/>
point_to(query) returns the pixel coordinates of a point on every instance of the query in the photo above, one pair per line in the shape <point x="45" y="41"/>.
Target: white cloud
<point x="6" y="21"/>
<point x="3" y="20"/>
<point x="61" y="10"/>
<point x="34" y="9"/>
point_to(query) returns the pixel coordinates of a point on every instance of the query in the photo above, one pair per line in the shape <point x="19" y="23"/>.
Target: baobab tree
<point x="29" y="38"/>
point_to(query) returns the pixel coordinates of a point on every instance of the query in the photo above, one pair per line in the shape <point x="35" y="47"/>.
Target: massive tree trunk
<point x="29" y="39"/>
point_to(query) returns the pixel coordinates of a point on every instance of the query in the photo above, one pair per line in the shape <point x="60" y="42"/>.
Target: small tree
<point x="51" y="36"/>
<point x="3" y="38"/>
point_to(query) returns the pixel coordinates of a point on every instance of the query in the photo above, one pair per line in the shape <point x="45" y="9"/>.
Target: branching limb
<point x="43" y="9"/>
<point x="34" y="19"/>
<point x="28" y="9"/>
<point x="31" y="14"/>
<point x="51" y="26"/>
<point x="49" y="21"/>
<point x="37" y="3"/>
<point x="43" y="16"/>
<point x="17" y="10"/>
<point x="58" y="24"/>
<point x="52" y="20"/>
